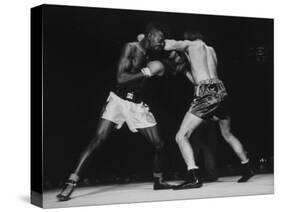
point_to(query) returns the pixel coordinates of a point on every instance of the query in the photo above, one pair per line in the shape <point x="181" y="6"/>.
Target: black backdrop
<point x="81" y="50"/>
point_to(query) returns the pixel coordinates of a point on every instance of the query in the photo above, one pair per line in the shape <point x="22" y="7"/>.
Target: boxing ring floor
<point x="142" y="192"/>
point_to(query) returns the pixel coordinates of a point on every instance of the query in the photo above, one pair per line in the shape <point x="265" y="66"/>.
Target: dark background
<point x="81" y="47"/>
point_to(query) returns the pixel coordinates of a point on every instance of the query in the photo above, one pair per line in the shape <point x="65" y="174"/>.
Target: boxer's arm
<point x="189" y="76"/>
<point x="124" y="65"/>
<point x="170" y="44"/>
<point x="176" y="45"/>
<point x="178" y="62"/>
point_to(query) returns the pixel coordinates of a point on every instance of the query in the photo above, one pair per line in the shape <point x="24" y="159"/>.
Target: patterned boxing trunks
<point x="210" y="100"/>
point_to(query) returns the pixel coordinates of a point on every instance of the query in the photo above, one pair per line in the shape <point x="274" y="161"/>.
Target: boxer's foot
<point x="192" y="181"/>
<point x="159" y="184"/>
<point x="67" y="190"/>
<point x="247" y="173"/>
<point x="68" y="187"/>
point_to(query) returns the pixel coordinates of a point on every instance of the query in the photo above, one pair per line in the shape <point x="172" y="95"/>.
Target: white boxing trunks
<point x="136" y="115"/>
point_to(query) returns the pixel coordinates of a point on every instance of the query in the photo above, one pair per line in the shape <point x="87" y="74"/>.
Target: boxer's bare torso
<point x="132" y="60"/>
<point x="129" y="76"/>
<point x="202" y="59"/>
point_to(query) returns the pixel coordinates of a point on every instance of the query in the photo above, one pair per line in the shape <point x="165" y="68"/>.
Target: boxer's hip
<point x="129" y="95"/>
<point x="120" y="110"/>
<point x="210" y="99"/>
<point x="210" y="87"/>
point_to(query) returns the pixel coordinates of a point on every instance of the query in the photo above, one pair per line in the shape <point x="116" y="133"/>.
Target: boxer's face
<point x="156" y="39"/>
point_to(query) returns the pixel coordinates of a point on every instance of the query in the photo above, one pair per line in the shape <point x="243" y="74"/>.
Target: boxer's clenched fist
<point x="176" y="57"/>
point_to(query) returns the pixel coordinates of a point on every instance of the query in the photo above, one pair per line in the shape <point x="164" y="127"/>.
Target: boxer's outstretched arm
<point x="125" y="65"/>
<point x="176" y="45"/>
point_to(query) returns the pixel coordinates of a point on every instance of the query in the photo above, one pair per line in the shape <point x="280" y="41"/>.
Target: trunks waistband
<point x="205" y="85"/>
<point x="209" y="81"/>
<point x="130" y="96"/>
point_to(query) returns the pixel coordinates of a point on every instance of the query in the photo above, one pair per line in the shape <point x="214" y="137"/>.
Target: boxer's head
<point x="155" y="36"/>
<point x="193" y="35"/>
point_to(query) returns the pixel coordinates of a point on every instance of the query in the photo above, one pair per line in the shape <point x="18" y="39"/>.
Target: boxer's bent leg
<point x="152" y="135"/>
<point x="247" y="171"/>
<point x="189" y="123"/>
<point x="225" y="127"/>
<point x="102" y="132"/>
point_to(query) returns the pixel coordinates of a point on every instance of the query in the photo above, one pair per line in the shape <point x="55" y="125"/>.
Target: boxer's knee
<point x="97" y="140"/>
<point x="227" y="135"/>
<point x="158" y="145"/>
<point x="180" y="138"/>
<point x="101" y="135"/>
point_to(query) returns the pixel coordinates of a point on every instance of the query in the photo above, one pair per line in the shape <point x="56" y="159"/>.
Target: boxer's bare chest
<point x="138" y="59"/>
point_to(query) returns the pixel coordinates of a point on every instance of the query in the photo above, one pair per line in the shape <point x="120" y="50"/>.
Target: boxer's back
<point x="202" y="60"/>
<point x="212" y="62"/>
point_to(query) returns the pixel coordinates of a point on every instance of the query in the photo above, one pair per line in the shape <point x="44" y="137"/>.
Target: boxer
<point x="210" y="102"/>
<point x="125" y="105"/>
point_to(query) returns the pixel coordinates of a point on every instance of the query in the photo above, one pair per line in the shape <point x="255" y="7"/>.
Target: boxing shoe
<point x="159" y="184"/>
<point x="68" y="188"/>
<point x="247" y="173"/>
<point x="192" y="181"/>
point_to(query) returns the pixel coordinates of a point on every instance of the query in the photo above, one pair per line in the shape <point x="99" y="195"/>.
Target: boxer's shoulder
<point x="129" y="48"/>
<point x="198" y="43"/>
<point x="132" y="44"/>
<point x="135" y="47"/>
